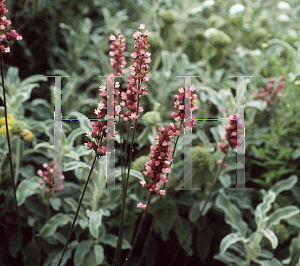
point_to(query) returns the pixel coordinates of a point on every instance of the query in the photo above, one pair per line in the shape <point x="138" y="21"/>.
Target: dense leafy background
<point x="72" y="38"/>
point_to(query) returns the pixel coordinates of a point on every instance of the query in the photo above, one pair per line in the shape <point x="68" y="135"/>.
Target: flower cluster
<point x="117" y="52"/>
<point x="162" y="152"/>
<point x="49" y="176"/>
<point x="180" y="105"/>
<point x="269" y="94"/>
<point x="15" y="127"/>
<point x="9" y="36"/>
<point x="99" y="131"/>
<point x="138" y="71"/>
<point x="10" y="119"/>
<point x="232" y="133"/>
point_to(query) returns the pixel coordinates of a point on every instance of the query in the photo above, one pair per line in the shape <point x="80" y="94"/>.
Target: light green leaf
<point x="284" y="213"/>
<point x="143" y="137"/>
<point x="194" y="212"/>
<point x="231" y="239"/>
<point x="258" y="104"/>
<point x="182" y="227"/>
<point x="26" y="188"/>
<point x="268" y="233"/>
<point x="233" y="215"/>
<point x="262" y="208"/>
<point x="112" y="240"/>
<point x="96" y="220"/>
<point x="50" y="227"/>
<point x="99" y="253"/>
<point x="81" y="251"/>
<point x="55" y="203"/>
<point x="285" y="184"/>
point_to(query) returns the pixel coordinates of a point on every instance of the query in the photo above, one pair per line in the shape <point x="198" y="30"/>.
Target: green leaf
<point x="50" y="227"/>
<point x="55" y="203"/>
<point x="166" y="219"/>
<point x="81" y="251"/>
<point x="284" y="213"/>
<point x="67" y="256"/>
<point x="99" y="253"/>
<point x="233" y="215"/>
<point x="268" y="233"/>
<point x="285" y="184"/>
<point x="143" y="137"/>
<point x="264" y="207"/>
<point x="112" y="240"/>
<point x="32" y="248"/>
<point x="208" y="51"/>
<point x="194" y="212"/>
<point x="182" y="227"/>
<point x="95" y="220"/>
<point x="258" y="104"/>
<point x="166" y="63"/>
<point x="74" y="205"/>
<point x="231" y="239"/>
<point x="26" y="188"/>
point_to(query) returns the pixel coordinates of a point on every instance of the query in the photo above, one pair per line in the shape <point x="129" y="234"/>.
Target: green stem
<point x="11" y="166"/>
<point x="203" y="208"/>
<point x="78" y="208"/>
<point x="207" y="73"/>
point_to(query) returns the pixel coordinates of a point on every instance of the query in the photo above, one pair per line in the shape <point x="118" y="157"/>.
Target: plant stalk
<point x="76" y="214"/>
<point x="11" y="167"/>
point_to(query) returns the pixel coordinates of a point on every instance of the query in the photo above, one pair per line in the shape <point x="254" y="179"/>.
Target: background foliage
<point x="258" y="227"/>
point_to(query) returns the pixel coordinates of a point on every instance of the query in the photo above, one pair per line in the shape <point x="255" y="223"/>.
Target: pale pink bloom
<point x="162" y="192"/>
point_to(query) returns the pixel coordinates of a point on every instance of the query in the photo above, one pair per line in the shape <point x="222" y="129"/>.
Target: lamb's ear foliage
<point x="247" y="243"/>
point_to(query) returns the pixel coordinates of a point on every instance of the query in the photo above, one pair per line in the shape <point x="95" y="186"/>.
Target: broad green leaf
<point x="268" y="233"/>
<point x="231" y="239"/>
<point x="55" y="203"/>
<point x="50" y="227"/>
<point x="166" y="219"/>
<point x="294" y="254"/>
<point x="233" y="215"/>
<point x="99" y="253"/>
<point x="295" y="220"/>
<point x="284" y="213"/>
<point x="182" y="227"/>
<point x="229" y="258"/>
<point x="112" y="240"/>
<point x="74" y="205"/>
<point x="95" y="220"/>
<point x="81" y="251"/>
<point x="67" y="256"/>
<point x="258" y="104"/>
<point x="26" y="188"/>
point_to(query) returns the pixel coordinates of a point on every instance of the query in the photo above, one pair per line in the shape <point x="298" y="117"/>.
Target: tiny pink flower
<point x="162" y="192"/>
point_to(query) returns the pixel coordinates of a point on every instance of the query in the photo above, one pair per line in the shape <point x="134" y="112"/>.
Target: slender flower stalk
<point x="136" y="88"/>
<point x="6" y="40"/>
<point x="231" y="132"/>
<point x="99" y="135"/>
<point x="157" y="171"/>
<point x="178" y="116"/>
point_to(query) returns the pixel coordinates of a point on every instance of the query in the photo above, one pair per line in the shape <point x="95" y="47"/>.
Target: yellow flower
<point x="10" y="119"/>
<point x="27" y="134"/>
<point x="297" y="82"/>
<point x="264" y="45"/>
<point x="3" y="130"/>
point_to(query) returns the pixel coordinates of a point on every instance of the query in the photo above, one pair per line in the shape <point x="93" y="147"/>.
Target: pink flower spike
<point x="143" y="182"/>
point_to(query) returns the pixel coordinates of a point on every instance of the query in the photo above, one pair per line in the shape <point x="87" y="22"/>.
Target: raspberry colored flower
<point x="138" y="70"/>
<point x="117" y="52"/>
<point x="142" y="206"/>
<point x="99" y="131"/>
<point x="9" y="36"/>
<point x="49" y="176"/>
<point x="232" y="134"/>
<point x="180" y="105"/>
<point x="271" y="94"/>
<point x="158" y="168"/>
